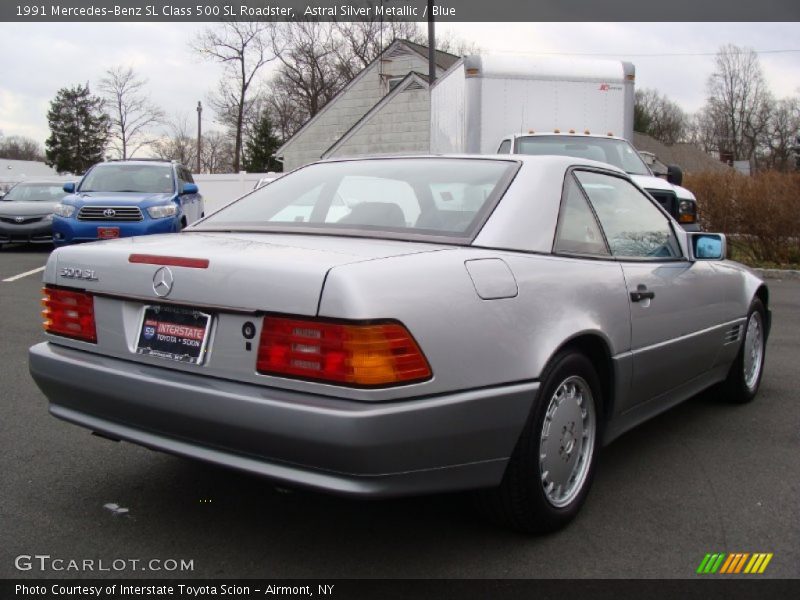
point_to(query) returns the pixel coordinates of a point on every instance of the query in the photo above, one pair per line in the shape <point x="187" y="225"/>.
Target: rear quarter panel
<point x="471" y="342"/>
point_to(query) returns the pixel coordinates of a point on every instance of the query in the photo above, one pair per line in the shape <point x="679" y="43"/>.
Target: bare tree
<point x="225" y="102"/>
<point x="319" y="58"/>
<point x="217" y="153"/>
<point x="781" y="136"/>
<point x="701" y="131"/>
<point x="131" y="111"/>
<point x="362" y="41"/>
<point x="310" y="68"/>
<point x="738" y="102"/>
<point x="17" y="147"/>
<point x="287" y="116"/>
<point x="453" y="44"/>
<point x="177" y="141"/>
<point x="243" y="48"/>
<point x="658" y="116"/>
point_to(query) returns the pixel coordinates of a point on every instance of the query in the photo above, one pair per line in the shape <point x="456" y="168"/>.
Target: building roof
<point x="688" y="157"/>
<point x="443" y="61"/>
<point x="413" y="80"/>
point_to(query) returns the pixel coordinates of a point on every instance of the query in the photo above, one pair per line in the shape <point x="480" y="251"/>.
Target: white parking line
<point x="25" y="274"/>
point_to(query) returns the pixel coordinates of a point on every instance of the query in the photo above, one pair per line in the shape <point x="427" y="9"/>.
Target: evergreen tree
<point x="261" y="144"/>
<point x="79" y="130"/>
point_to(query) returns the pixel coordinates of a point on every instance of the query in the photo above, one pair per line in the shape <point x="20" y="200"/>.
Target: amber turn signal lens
<point x="348" y="353"/>
<point x="69" y="313"/>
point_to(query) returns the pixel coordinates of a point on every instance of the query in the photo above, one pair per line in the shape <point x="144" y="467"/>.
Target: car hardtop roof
<point x="545" y="160"/>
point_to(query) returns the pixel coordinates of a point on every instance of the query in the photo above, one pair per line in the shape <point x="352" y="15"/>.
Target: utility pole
<point x="431" y="46"/>
<point x="199" y="133"/>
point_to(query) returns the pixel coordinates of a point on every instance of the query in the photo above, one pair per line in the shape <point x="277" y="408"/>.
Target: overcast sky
<point x="38" y="59"/>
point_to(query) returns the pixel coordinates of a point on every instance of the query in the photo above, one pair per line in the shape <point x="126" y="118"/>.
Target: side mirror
<point x="674" y="175"/>
<point x="69" y="187"/>
<point x="189" y="188"/>
<point x="708" y="246"/>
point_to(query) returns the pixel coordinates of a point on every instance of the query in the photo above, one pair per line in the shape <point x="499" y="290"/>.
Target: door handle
<point x="642" y="293"/>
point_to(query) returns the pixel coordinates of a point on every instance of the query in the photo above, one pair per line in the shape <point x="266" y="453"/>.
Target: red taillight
<point x="354" y="354"/>
<point x="169" y="261"/>
<point x="69" y="313"/>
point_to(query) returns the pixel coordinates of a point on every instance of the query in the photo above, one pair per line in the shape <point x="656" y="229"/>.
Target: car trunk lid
<point x="244" y="272"/>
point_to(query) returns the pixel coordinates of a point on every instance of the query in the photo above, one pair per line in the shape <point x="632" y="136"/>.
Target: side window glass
<point x="578" y="232"/>
<point x="183" y="177"/>
<point x="633" y="226"/>
<point x="505" y="147"/>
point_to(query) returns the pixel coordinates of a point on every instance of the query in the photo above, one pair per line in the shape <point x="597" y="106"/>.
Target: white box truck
<point x="488" y="104"/>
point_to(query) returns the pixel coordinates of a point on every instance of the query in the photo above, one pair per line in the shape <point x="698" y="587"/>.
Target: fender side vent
<point x="733" y="335"/>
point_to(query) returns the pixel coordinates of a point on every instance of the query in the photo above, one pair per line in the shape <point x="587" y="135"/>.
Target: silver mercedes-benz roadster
<point x="393" y="326"/>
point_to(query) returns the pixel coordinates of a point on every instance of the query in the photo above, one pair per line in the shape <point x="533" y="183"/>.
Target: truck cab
<point x="676" y="200"/>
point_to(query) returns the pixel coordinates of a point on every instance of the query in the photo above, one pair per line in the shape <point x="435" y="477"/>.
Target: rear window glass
<point x="419" y="196"/>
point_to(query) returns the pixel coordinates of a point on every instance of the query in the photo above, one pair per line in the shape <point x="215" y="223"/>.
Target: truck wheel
<point x="550" y="471"/>
<point x="744" y="377"/>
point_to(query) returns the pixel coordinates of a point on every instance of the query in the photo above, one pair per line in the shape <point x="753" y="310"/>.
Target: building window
<point x="393" y="81"/>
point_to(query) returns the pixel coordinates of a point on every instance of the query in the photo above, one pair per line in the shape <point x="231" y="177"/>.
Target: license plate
<point x="107" y="233"/>
<point x="174" y="333"/>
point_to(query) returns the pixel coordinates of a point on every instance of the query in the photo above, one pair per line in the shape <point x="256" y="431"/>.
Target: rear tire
<point x="744" y="377"/>
<point x="550" y="471"/>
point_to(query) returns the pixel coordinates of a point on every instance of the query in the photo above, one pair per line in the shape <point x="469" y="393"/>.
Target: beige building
<point x="385" y="109"/>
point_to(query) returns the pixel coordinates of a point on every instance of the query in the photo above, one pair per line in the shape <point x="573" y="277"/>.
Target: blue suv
<point x="126" y="198"/>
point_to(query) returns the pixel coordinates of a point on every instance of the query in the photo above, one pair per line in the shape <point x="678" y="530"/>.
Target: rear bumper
<point x="443" y="443"/>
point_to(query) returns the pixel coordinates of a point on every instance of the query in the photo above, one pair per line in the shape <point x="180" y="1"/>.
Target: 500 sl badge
<point x="75" y="273"/>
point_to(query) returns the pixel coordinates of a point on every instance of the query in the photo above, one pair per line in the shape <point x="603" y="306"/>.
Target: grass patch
<point x="741" y="252"/>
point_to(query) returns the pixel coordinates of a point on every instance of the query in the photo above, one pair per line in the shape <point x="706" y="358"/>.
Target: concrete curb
<point x="777" y="273"/>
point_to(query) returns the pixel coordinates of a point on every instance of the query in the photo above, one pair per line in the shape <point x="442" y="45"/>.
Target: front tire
<point x="550" y="472"/>
<point x="744" y="377"/>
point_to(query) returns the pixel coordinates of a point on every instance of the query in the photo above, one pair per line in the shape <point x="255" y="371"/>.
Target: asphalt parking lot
<point x="703" y="477"/>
